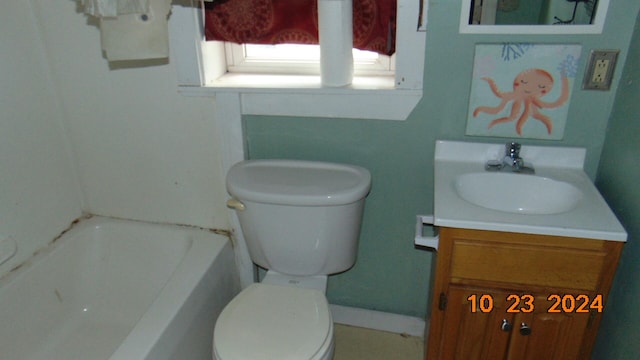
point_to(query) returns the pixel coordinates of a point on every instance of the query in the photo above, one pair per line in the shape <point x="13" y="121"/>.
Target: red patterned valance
<point x="296" y="22"/>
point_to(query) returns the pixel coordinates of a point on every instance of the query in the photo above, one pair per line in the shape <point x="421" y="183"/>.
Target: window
<point x="375" y="93"/>
<point x="298" y="59"/>
<point x="337" y="25"/>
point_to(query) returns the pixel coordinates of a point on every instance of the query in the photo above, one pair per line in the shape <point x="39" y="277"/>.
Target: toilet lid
<point x="273" y="322"/>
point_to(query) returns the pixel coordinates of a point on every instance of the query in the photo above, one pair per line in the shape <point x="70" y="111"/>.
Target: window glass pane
<point x="302" y="53"/>
<point x="289" y="52"/>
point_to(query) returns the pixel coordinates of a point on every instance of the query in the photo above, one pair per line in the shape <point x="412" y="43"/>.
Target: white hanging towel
<point x="133" y="33"/>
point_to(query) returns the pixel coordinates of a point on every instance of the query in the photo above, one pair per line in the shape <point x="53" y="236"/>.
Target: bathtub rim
<point x="205" y="246"/>
<point x="140" y="342"/>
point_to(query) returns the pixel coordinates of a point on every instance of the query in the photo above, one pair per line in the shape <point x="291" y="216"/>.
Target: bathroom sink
<point x="560" y="199"/>
<point x="517" y="193"/>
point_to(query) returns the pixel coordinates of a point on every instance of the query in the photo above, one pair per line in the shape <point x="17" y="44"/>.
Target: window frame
<point x="384" y="97"/>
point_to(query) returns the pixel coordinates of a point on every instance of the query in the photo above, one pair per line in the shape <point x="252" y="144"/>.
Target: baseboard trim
<point x="378" y="320"/>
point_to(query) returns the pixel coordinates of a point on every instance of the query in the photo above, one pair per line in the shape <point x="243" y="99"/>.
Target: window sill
<point x="372" y="97"/>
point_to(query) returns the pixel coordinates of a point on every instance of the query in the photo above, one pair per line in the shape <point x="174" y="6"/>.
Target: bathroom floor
<point x="354" y="343"/>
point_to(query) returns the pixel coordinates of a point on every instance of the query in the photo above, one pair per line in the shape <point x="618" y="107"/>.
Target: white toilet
<point x="301" y="221"/>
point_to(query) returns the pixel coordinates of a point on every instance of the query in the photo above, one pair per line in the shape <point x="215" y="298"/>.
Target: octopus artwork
<point x="529" y="86"/>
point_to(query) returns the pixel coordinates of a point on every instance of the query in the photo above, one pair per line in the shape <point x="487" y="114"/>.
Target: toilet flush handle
<point x="235" y="204"/>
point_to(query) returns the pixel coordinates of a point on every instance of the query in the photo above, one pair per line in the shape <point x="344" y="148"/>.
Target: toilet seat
<point x="266" y="322"/>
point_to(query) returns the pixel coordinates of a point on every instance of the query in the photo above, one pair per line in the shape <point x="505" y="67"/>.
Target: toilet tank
<point x="300" y="217"/>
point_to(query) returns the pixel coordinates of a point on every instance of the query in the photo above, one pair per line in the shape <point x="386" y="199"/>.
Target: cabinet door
<point x="475" y="333"/>
<point x="510" y="325"/>
<point x="548" y="335"/>
<point x="475" y="262"/>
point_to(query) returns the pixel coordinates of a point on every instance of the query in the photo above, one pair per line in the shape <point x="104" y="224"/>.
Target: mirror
<point x="533" y="16"/>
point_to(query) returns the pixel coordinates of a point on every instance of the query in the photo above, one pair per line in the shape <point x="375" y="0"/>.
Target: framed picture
<point x="522" y="90"/>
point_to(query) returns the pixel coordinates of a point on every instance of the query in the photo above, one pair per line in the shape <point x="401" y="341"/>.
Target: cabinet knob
<point x="506" y="325"/>
<point x="525" y="329"/>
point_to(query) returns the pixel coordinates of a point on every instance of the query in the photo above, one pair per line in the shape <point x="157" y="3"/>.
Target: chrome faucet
<point x="512" y="156"/>
<point x="511" y="162"/>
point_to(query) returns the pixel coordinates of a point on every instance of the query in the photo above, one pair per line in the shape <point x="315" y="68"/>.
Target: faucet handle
<point x="512" y="149"/>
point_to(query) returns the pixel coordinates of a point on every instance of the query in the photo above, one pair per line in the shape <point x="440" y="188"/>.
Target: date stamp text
<point x="527" y="303"/>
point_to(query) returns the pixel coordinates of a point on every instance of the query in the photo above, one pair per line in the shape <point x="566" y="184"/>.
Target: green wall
<point x="617" y="179"/>
<point x="527" y="12"/>
<point x="390" y="274"/>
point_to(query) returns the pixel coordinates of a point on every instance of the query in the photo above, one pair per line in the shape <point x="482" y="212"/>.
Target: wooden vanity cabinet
<point x="512" y="296"/>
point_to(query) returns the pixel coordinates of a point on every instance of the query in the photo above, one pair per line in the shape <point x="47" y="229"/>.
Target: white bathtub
<point x="119" y="290"/>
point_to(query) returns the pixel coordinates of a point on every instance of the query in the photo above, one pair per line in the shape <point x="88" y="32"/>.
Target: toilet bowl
<point x="301" y="221"/>
<point x="269" y="321"/>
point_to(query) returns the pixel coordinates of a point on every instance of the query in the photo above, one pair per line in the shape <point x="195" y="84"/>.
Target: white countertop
<point x="591" y="218"/>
